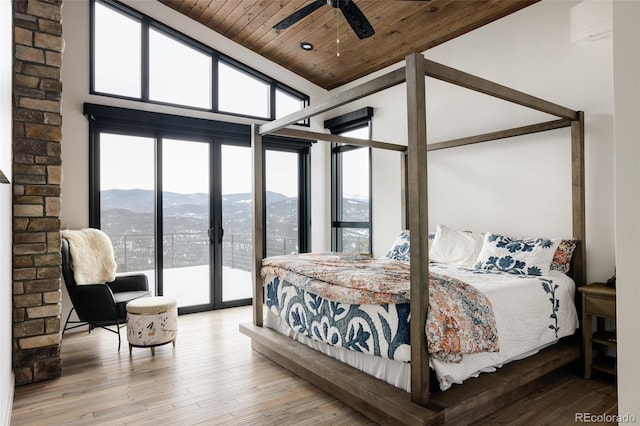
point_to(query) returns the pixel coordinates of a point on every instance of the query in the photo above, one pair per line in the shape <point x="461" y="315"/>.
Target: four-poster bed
<point x="376" y="399"/>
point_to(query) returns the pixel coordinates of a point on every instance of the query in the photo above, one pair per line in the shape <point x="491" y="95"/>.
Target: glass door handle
<point x="211" y="232"/>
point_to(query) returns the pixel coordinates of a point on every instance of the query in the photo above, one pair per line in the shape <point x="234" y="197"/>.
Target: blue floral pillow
<point x="401" y="248"/>
<point x="530" y="256"/>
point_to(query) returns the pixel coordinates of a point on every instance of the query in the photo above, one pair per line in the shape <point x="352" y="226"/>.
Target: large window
<point x="282" y="189"/>
<point x="174" y="195"/>
<point x="287" y="103"/>
<point x="178" y="73"/>
<point x="136" y="57"/>
<point x="351" y="184"/>
<point x="126" y="200"/>
<point x="117" y="52"/>
<point x="241" y="93"/>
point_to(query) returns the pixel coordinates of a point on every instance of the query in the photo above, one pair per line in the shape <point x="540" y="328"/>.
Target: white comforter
<point x="531" y="313"/>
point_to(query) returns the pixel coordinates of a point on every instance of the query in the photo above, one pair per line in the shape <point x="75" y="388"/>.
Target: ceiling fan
<point x="350" y="10"/>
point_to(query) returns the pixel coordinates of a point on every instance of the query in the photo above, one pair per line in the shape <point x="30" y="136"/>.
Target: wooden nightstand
<point x="598" y="300"/>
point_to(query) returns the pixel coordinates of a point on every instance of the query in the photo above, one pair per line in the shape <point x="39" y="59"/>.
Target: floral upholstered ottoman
<point x="151" y="322"/>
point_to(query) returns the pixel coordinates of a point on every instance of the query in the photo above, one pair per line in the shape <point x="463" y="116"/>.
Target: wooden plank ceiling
<point x="401" y="27"/>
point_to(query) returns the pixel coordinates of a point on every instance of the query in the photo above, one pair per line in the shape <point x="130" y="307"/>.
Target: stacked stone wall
<point x="37" y="174"/>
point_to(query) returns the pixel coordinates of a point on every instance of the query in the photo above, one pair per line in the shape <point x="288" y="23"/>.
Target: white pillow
<point x="520" y="256"/>
<point x="455" y="247"/>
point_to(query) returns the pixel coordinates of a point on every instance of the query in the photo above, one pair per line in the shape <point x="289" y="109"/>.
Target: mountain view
<point x="127" y="216"/>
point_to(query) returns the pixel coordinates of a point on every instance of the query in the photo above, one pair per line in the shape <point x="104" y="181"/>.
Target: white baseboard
<point x="8" y="404"/>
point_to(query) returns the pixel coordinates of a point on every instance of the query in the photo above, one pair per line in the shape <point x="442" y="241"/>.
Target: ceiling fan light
<point x="305" y="45"/>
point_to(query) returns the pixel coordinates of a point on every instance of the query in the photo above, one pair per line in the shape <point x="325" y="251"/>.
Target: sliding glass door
<point x="186" y="222"/>
<point x="236" y="223"/>
<point x="193" y="241"/>
<point x="127" y="201"/>
<point x="177" y="207"/>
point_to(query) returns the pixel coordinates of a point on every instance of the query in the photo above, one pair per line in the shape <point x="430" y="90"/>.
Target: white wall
<point x="6" y="212"/>
<point x="626" y="49"/>
<point x="529" y="177"/>
<point x="520" y="186"/>
<point x="6" y="307"/>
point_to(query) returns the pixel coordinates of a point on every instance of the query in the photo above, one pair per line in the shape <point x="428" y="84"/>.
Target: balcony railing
<point x="136" y="252"/>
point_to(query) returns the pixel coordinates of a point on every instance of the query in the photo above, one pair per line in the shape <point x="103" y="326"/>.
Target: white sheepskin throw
<point x="92" y="256"/>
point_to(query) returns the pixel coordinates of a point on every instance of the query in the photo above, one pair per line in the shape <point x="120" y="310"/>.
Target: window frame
<point x="110" y="119"/>
<point x="120" y="8"/>
<point x="243" y="69"/>
<point x="303" y="149"/>
<point x="147" y="23"/>
<point x="181" y="39"/>
<point x="351" y="121"/>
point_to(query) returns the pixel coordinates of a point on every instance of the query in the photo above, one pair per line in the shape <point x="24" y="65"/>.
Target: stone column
<point x="37" y="125"/>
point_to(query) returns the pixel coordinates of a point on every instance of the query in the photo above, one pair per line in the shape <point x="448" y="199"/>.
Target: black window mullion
<point x="337" y="177"/>
<point x="272" y="101"/>
<point x="158" y="222"/>
<point x="264" y="200"/>
<point x="304" y="200"/>
<point x="339" y="187"/>
<point x="215" y="212"/>
<point x="144" y="64"/>
<point x="94" y="174"/>
<point x="347" y="224"/>
<point x="215" y="80"/>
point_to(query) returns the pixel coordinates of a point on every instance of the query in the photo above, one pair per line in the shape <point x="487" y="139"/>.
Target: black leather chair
<point x="100" y="305"/>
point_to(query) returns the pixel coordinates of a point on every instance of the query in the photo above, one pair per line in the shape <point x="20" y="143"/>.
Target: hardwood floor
<point x="568" y="399"/>
<point x="212" y="377"/>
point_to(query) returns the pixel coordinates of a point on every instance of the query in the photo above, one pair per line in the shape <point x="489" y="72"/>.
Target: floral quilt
<point x="361" y="304"/>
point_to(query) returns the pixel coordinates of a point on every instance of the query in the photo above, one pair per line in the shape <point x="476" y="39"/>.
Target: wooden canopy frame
<point x="415" y="217"/>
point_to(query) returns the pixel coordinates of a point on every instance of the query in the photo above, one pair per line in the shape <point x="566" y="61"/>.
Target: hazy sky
<point x="355" y="179"/>
<point x="127" y="163"/>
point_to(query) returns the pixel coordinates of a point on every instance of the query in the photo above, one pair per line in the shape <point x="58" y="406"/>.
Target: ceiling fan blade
<point x="356" y="19"/>
<point x="299" y="14"/>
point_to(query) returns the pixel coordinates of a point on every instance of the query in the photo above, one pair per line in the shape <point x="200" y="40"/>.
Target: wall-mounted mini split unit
<point x="591" y="20"/>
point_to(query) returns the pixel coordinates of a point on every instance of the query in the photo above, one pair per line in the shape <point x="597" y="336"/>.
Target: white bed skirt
<point x="398" y="373"/>
<point x="395" y="373"/>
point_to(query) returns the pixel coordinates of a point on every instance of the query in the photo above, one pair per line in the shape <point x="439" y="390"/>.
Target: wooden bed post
<point x="404" y="207"/>
<point x="419" y="225"/>
<point x="579" y="264"/>
<point x="258" y="219"/>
